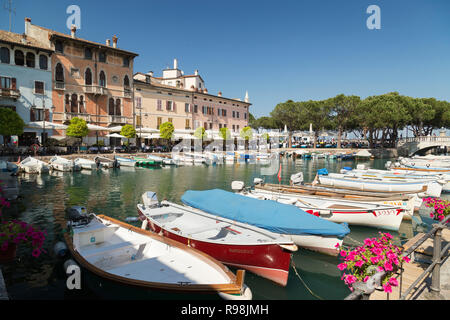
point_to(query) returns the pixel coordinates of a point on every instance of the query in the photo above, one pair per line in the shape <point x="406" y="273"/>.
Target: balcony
<point x="117" y="119"/>
<point x="9" y="93"/>
<point x="96" y="90"/>
<point x="67" y="116"/>
<point x="59" y="85"/>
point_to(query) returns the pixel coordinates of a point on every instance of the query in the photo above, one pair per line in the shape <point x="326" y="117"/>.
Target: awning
<point x="115" y="135"/>
<point x="94" y="127"/>
<point x="46" y="125"/>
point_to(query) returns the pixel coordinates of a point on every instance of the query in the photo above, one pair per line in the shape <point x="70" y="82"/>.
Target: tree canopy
<point x="128" y="131"/>
<point x="77" y="128"/>
<point x="166" y="130"/>
<point x="11" y="124"/>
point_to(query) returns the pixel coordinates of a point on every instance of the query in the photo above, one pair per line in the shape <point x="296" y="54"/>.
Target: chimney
<point x="196" y="72"/>
<point x="108" y="42"/>
<point x="219" y="94"/>
<point x="24" y="38"/>
<point x="73" y="31"/>
<point x="27" y="23"/>
<point x="175" y="63"/>
<point x="115" y="41"/>
<point x="150" y="73"/>
<point x="205" y="90"/>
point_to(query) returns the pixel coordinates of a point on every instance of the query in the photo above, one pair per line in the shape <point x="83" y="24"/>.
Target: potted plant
<point x="376" y="255"/>
<point x="441" y="208"/>
<point x="14" y="232"/>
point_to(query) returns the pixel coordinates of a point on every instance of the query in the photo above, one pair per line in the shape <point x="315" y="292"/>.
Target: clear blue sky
<point x="277" y="50"/>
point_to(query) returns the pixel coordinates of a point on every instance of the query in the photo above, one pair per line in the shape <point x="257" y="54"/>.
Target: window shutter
<point x="32" y="115"/>
<point x="46" y="115"/>
<point x="14" y="84"/>
<point x="174" y="106"/>
<point x="167" y="105"/>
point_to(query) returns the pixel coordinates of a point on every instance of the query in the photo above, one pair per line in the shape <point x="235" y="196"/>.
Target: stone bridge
<point x="410" y="146"/>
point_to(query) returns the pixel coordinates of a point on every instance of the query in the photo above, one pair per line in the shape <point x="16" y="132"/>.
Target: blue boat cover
<point x="266" y="214"/>
<point x="347" y="168"/>
<point x="322" y="172"/>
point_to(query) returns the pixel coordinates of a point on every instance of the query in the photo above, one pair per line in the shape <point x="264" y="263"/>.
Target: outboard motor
<point x="258" y="181"/>
<point x="237" y="186"/>
<point x="78" y="216"/>
<point x="297" y="178"/>
<point x="150" y="199"/>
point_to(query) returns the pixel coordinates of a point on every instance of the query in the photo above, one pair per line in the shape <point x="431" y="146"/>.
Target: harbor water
<point x="116" y="192"/>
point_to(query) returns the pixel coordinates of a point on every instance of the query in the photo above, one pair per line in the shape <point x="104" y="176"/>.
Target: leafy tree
<point x="287" y="113"/>
<point x="166" y="130"/>
<point x="77" y="128"/>
<point x="11" y="124"/>
<point x="200" y="133"/>
<point x="246" y="134"/>
<point x="319" y="113"/>
<point x="264" y="122"/>
<point x="225" y="133"/>
<point x="343" y="108"/>
<point x="128" y="131"/>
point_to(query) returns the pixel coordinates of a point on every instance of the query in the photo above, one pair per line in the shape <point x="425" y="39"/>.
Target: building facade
<point x="90" y="80"/>
<point x="26" y="82"/>
<point x="185" y="101"/>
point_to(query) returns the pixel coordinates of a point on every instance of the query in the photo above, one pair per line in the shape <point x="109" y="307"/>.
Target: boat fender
<point x="237" y="186"/>
<point x="60" y="249"/>
<point x="68" y="264"/>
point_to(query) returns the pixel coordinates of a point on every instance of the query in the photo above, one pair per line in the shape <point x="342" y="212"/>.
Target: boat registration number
<point x="387" y="212"/>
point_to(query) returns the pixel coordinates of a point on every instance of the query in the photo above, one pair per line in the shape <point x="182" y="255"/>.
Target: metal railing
<point x="363" y="290"/>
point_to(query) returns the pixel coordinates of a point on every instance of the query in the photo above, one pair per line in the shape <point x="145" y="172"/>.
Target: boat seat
<point x="206" y="228"/>
<point x="91" y="250"/>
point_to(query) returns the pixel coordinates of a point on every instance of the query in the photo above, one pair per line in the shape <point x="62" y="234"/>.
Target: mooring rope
<point x="306" y="286"/>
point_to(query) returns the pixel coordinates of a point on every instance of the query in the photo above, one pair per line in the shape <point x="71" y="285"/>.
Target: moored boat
<point x="305" y="230"/>
<point x="130" y="256"/>
<point x="85" y="164"/>
<point x="234" y="243"/>
<point x="62" y="164"/>
<point x="145" y="162"/>
<point x="125" y="162"/>
<point x="33" y="165"/>
<point x="337" y="210"/>
<point x="106" y="163"/>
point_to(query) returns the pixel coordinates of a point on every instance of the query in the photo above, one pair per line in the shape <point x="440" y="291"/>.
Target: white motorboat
<point x="85" y="164"/>
<point x="430" y="187"/>
<point x="125" y="162"/>
<point x="33" y="165"/>
<point x="107" y="163"/>
<point x="339" y="210"/>
<point x="63" y="164"/>
<point x="129" y="256"/>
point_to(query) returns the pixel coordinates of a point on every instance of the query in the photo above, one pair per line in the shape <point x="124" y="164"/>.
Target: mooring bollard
<point x="436" y="275"/>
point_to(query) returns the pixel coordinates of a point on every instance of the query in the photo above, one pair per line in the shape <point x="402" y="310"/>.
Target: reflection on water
<point x="116" y="192"/>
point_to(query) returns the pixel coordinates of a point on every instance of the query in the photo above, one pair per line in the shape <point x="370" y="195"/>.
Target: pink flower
<point x="374" y="260"/>
<point x="359" y="263"/>
<point x="387" y="288"/>
<point x="337" y="245"/>
<point x="36" y="253"/>
<point x="343" y="253"/>
<point x="393" y="281"/>
<point x="388" y="266"/>
<point x="342" y="266"/>
<point x="350" y="279"/>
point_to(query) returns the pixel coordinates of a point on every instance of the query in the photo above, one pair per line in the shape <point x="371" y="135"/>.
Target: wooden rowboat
<point x="130" y="256"/>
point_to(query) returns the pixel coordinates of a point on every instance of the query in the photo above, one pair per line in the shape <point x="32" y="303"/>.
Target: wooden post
<point x="436" y="275"/>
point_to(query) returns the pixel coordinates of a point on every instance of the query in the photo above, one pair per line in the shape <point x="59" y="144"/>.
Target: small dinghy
<point x="33" y="165"/>
<point x="63" y="164"/>
<point x="145" y="162"/>
<point x="130" y="256"/>
<point x="85" y="164"/>
<point x="106" y="163"/>
<point x="125" y="162"/>
<point x="262" y="252"/>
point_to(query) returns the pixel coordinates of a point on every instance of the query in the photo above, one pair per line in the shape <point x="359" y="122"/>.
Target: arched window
<point x="111" y="107"/>
<point x="43" y="62"/>
<point x="118" y="111"/>
<point x="19" y="59"/>
<point x="126" y="81"/>
<point x="74" y="104"/>
<point x="82" y="109"/>
<point x="88" y="77"/>
<point x="31" y="60"/>
<point x="67" y="103"/>
<point x="102" y="81"/>
<point x="4" y="55"/>
<point x="59" y="73"/>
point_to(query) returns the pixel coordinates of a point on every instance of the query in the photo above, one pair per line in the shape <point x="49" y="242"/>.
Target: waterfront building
<point x="91" y="80"/>
<point x="185" y="101"/>
<point x="26" y="82"/>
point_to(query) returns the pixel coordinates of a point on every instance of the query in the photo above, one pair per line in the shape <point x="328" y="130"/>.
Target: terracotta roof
<point x="56" y="34"/>
<point x="15" y="38"/>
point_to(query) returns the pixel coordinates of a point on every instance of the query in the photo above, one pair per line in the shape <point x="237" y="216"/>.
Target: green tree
<point x="319" y="113"/>
<point x="128" y="131"/>
<point x="287" y="113"/>
<point x="166" y="131"/>
<point x="342" y="110"/>
<point x="11" y="124"/>
<point x="246" y="134"/>
<point x="200" y="133"/>
<point x="78" y="129"/>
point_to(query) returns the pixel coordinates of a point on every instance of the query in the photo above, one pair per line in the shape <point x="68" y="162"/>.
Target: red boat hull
<point x="266" y="260"/>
